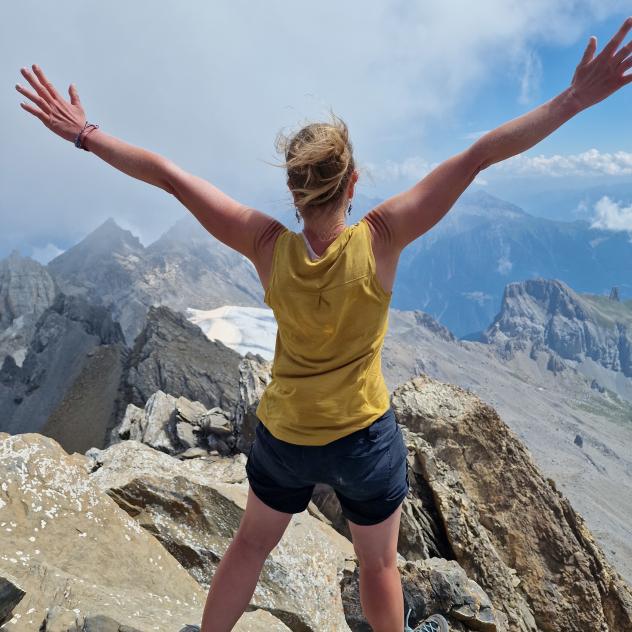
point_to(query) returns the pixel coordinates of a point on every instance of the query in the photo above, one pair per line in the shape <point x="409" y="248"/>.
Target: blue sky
<point x="210" y="84"/>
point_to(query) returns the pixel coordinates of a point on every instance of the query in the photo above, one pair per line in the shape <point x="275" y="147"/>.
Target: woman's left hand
<point x="597" y="78"/>
<point x="64" y="118"/>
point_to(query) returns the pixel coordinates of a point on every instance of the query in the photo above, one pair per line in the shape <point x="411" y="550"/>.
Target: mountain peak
<point x="186" y="229"/>
<point x="477" y="200"/>
<point x="106" y="240"/>
<point x="110" y="229"/>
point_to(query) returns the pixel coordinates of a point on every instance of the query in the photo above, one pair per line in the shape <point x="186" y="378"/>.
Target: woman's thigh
<point x="376" y="544"/>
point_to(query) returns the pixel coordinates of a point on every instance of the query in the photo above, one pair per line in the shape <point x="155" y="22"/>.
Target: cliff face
<point x="26" y="291"/>
<point x="69" y="374"/>
<point x="484" y="538"/>
<point x="550" y="315"/>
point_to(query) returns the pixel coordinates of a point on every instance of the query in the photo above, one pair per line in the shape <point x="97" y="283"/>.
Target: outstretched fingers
<point x="589" y="50"/>
<point x="36" y="99"/>
<point x="48" y="86"/>
<point x="623" y="53"/>
<point x="33" y="110"/>
<point x="30" y="77"/>
<point x="617" y="38"/>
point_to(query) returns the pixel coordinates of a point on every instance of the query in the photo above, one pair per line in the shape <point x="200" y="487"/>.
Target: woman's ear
<point x="352" y="183"/>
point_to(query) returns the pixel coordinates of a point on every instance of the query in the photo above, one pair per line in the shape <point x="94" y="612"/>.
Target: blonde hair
<point x="319" y="162"/>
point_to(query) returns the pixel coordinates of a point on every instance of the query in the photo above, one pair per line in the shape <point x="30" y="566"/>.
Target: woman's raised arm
<point x="242" y="228"/>
<point x="408" y="215"/>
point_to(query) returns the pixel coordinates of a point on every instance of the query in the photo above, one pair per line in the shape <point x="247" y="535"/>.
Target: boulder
<point x="194" y="508"/>
<point x="176" y="425"/>
<point x="254" y="376"/>
<point x="430" y="586"/>
<point x="67" y="544"/>
<point x="514" y="534"/>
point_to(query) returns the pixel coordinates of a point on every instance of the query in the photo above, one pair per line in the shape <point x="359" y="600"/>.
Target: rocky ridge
<point x="484" y="537"/>
<point x="185" y="267"/>
<point x="548" y="316"/>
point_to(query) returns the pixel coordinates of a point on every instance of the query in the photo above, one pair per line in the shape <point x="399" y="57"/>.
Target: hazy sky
<point x="209" y="85"/>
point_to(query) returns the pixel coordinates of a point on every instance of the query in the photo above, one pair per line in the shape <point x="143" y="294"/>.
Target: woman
<point x="326" y="416"/>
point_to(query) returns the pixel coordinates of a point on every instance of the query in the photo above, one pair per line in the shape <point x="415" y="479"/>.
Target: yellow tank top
<point x="332" y="316"/>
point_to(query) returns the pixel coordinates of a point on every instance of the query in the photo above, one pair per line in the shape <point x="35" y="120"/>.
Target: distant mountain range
<point x="458" y="270"/>
<point x="185" y="267"/>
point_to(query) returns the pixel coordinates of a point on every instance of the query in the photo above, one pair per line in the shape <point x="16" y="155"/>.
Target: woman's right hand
<point x="595" y="79"/>
<point x="64" y="118"/>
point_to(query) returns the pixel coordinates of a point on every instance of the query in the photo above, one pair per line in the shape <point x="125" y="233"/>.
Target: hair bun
<point x="319" y="161"/>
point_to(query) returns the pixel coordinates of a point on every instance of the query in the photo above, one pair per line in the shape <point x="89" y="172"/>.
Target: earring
<point x="298" y="217"/>
<point x="349" y="209"/>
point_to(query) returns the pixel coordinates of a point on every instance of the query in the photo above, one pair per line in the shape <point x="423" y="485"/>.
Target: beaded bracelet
<point x="81" y="136"/>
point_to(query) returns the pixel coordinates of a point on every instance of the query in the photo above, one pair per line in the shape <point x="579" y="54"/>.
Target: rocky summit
<point x="128" y="537"/>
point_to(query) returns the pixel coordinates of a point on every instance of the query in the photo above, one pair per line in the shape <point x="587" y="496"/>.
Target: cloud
<point x="478" y="297"/>
<point x="504" y="265"/>
<point x="46" y="253"/>
<point x="474" y="135"/>
<point x="209" y="84"/>
<point x="531" y="77"/>
<point x="590" y="162"/>
<point x="612" y="215"/>
<point x="412" y="168"/>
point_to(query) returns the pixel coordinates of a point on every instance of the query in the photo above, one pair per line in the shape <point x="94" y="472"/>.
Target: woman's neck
<point x="326" y="229"/>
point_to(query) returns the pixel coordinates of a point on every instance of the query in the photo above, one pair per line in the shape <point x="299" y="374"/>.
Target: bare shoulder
<point x="386" y="250"/>
<point x="380" y="227"/>
<point x="267" y="231"/>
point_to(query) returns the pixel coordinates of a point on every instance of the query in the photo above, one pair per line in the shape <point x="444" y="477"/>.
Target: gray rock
<point x="175" y="356"/>
<point x="549" y="314"/>
<point x="61" y="620"/>
<point x="10" y="597"/>
<point x="216" y="423"/>
<point x="59" y="385"/>
<point x="442" y="586"/>
<point x="193" y="453"/>
<point x="132" y="425"/>
<point x="190" y="412"/>
<point x="164" y="424"/>
<point x="185" y="434"/>
<point x="26" y="292"/>
<point x="434" y="585"/>
<point x="254" y="376"/>
<point x="159" y="421"/>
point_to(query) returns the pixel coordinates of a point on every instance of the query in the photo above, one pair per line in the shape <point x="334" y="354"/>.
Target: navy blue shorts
<point x="367" y="470"/>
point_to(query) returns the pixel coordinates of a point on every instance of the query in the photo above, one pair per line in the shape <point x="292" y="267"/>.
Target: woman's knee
<point x="253" y="544"/>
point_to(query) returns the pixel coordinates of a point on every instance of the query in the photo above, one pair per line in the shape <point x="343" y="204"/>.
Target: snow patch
<point x="240" y="328"/>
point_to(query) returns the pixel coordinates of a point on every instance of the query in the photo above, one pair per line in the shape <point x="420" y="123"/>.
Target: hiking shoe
<point x="190" y="628"/>
<point x="434" y="623"/>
